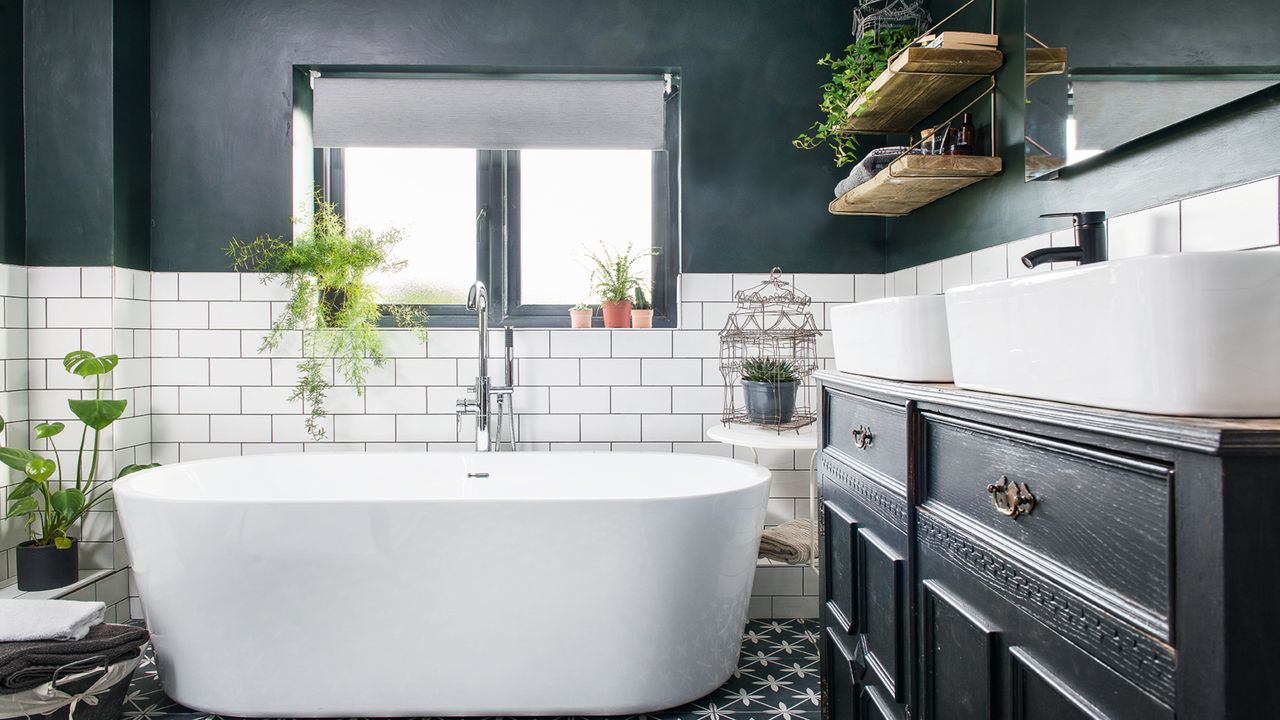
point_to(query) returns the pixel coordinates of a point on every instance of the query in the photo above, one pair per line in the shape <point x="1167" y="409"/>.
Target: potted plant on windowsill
<point x="769" y="389"/>
<point x="641" y="310"/>
<point x="332" y="300"/>
<point x="46" y="499"/>
<point x="613" y="275"/>
<point x="580" y="315"/>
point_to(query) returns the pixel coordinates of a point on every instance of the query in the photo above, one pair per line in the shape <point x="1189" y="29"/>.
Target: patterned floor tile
<point x="776" y="679"/>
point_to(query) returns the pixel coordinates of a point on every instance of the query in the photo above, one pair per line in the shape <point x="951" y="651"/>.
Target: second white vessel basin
<point x="901" y="338"/>
<point x="1192" y="334"/>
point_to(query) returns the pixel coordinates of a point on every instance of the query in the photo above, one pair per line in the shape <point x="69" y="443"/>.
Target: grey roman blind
<point x="490" y="113"/>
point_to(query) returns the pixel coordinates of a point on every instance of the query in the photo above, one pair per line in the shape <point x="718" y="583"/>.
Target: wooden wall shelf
<point x="913" y="181"/>
<point x="1045" y="61"/>
<point x="919" y="81"/>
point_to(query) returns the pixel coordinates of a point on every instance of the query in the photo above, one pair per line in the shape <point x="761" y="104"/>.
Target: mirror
<point x="1101" y="73"/>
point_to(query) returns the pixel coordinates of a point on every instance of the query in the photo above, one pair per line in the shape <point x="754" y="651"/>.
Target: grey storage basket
<point x="77" y="678"/>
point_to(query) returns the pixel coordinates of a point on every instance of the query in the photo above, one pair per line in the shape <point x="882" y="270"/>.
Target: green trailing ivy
<point x="332" y="301"/>
<point x="47" y="499"/>
<point x="851" y="75"/>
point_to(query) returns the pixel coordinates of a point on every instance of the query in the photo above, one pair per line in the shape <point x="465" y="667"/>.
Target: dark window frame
<point x="498" y="238"/>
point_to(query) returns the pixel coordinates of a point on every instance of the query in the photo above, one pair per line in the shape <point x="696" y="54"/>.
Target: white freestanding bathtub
<point x="411" y="584"/>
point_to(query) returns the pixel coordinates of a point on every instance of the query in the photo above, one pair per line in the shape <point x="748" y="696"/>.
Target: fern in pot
<point x="47" y="499"/>
<point x="613" y="275"/>
<point x="769" y="390"/>
<point x="332" y="301"/>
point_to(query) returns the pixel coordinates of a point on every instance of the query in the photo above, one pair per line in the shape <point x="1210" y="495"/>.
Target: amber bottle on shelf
<point x="964" y="139"/>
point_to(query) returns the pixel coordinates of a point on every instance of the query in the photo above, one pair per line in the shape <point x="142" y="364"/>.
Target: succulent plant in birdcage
<point x="768" y="351"/>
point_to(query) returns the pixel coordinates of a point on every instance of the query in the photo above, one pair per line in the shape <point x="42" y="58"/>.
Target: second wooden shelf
<point x="918" y="82"/>
<point x="913" y="181"/>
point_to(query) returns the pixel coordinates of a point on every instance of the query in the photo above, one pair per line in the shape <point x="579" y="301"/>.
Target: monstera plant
<point x="50" y="500"/>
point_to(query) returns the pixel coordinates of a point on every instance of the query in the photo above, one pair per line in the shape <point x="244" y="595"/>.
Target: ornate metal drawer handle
<point x="862" y="437"/>
<point x="1011" y="499"/>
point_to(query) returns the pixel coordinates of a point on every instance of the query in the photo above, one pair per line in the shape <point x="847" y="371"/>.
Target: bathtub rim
<point x="762" y="476"/>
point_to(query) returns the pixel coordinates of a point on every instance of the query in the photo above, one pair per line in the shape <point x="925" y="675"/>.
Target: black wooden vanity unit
<point x="989" y="557"/>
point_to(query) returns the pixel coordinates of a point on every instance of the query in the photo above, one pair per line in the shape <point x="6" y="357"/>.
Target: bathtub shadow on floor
<point x="777" y="679"/>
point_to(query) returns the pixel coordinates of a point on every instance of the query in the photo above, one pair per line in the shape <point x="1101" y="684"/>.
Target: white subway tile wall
<point x="212" y="393"/>
<point x="14" y="398"/>
<point x="198" y="387"/>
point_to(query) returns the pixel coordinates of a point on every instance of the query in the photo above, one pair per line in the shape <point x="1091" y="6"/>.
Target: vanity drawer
<point x="1102" y="516"/>
<point x="870" y="434"/>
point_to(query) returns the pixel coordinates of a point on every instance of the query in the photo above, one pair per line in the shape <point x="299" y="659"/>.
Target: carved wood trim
<point x="1142" y="658"/>
<point x="888" y="506"/>
<point x="1206" y="435"/>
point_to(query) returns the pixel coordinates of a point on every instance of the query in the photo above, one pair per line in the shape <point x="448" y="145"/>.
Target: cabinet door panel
<point x="880" y="596"/>
<point x="959" y="647"/>
<point x="1040" y="694"/>
<point x="837" y="671"/>
<point x="876" y="707"/>
<point x="837" y="548"/>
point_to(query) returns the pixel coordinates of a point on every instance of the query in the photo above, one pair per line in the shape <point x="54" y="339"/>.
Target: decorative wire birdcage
<point x="772" y="321"/>
<point x="875" y="15"/>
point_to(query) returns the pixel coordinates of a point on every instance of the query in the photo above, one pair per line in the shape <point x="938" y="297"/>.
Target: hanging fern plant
<point x="851" y="75"/>
<point x="331" y="300"/>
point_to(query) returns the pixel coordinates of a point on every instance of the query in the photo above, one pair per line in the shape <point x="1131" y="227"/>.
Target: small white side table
<point x="760" y="438"/>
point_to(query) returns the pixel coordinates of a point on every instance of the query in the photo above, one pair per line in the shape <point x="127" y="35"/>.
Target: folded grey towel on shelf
<point x="790" y="542"/>
<point x="22" y="620"/>
<point x="874" y="162"/>
<point x="28" y="664"/>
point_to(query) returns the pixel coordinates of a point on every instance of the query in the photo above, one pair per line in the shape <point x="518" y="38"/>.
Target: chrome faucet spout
<point x="483" y="392"/>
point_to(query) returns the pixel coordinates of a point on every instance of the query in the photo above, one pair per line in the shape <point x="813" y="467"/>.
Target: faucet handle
<point x="1078" y="219"/>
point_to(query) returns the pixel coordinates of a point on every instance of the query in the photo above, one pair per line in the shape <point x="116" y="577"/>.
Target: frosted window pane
<point x="571" y="201"/>
<point x="430" y="194"/>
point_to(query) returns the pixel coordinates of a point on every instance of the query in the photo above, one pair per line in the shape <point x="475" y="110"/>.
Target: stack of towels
<point x="37" y="637"/>
<point x="790" y="543"/>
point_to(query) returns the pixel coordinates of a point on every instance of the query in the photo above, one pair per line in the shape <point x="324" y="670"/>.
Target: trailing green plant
<point x="768" y="370"/>
<point x="640" y="302"/>
<point x="851" y="75"/>
<point x="332" y="301"/>
<point x="46" y="498"/>
<point x="613" y="275"/>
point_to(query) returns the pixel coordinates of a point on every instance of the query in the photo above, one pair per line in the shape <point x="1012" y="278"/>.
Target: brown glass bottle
<point x="964" y="139"/>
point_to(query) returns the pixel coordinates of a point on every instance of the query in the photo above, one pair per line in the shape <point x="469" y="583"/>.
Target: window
<point x="570" y="202"/>
<point x="521" y="220"/>
<point x="430" y="195"/>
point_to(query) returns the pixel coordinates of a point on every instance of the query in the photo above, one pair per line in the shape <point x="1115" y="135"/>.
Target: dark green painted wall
<point x="1227" y="147"/>
<point x="12" y="213"/>
<point x="131" y="133"/>
<point x="87" y="138"/>
<point x="67" y="70"/>
<point x="221" y="95"/>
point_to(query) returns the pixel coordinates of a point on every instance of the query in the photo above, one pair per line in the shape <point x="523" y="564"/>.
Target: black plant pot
<point x="332" y="301"/>
<point x="770" y="403"/>
<point x="45" y="567"/>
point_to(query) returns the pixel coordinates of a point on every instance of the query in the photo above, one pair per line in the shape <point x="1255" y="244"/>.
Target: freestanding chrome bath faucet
<point x="485" y="395"/>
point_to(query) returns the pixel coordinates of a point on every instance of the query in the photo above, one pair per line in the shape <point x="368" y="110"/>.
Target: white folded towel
<point x="22" y="620"/>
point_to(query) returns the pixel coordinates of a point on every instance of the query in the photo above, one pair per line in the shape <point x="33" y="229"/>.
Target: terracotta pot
<point x="616" y="314"/>
<point x="580" y="318"/>
<point x="45" y="567"/>
<point x="642" y="318"/>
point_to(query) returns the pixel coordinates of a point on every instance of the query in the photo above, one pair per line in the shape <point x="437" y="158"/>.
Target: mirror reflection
<point x="1100" y="73"/>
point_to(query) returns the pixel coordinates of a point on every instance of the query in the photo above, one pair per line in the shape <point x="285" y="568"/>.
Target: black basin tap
<point x="1091" y="241"/>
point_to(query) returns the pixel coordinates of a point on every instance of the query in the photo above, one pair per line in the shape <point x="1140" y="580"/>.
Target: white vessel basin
<point x="1191" y="334"/>
<point x="901" y="338"/>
